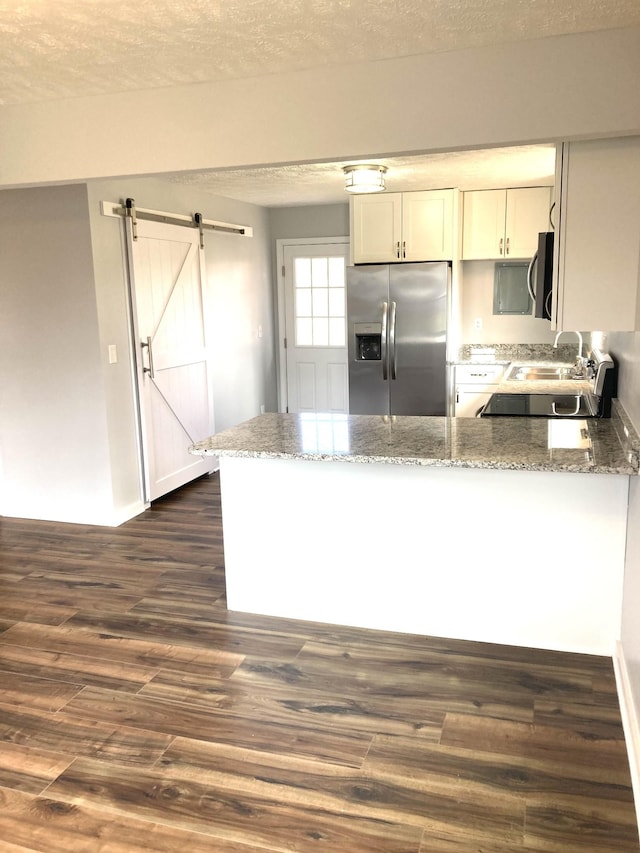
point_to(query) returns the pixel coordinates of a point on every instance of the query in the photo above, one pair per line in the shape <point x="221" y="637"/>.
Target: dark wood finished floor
<point x="137" y="714"/>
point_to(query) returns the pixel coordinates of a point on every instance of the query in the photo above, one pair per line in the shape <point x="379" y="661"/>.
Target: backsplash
<point x="487" y="353"/>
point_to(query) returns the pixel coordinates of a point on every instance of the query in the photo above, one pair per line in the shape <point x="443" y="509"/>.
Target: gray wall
<point x="68" y="443"/>
<point x="53" y="426"/>
<point x="625" y="347"/>
<point x="323" y="220"/>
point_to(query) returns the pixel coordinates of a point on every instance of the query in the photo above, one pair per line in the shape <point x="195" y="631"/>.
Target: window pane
<point x="303" y="302"/>
<point x="319" y="272"/>
<point x="302" y="272"/>
<point x="320" y="302"/>
<point x="336" y="332"/>
<point x="336" y="272"/>
<point x="336" y="303"/>
<point x="304" y="333"/>
<point x="320" y="332"/>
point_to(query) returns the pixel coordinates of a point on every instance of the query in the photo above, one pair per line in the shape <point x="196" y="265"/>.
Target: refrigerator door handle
<point x="383" y="341"/>
<point x="392" y="340"/>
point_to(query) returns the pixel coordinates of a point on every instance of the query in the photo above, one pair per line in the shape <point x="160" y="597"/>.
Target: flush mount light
<point x="364" y="179"/>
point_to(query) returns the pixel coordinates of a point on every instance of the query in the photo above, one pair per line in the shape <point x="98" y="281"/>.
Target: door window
<point x="320" y="304"/>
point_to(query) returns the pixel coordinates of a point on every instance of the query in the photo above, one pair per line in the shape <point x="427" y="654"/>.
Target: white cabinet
<point x="392" y="227"/>
<point x="474" y="384"/>
<point x="469" y="400"/>
<point x="597" y="256"/>
<point x="503" y="224"/>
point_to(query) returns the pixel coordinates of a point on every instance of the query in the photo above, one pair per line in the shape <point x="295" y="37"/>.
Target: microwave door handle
<point x="530" y="277"/>
<point x="383" y="341"/>
<point x="392" y="340"/>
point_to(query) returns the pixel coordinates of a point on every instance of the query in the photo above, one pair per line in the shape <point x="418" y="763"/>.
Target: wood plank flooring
<point x="137" y="714"/>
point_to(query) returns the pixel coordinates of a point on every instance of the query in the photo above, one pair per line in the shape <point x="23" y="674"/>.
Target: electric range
<point x="593" y="402"/>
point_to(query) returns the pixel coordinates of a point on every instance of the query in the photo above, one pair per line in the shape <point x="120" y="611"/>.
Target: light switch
<point x="113" y="354"/>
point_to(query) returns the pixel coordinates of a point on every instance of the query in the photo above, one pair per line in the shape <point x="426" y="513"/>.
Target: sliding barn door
<point x="166" y="270"/>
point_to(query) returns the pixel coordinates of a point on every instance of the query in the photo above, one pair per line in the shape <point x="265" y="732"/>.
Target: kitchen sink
<point x="531" y="373"/>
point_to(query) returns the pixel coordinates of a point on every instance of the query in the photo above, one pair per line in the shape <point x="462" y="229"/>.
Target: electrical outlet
<point x="262" y="408"/>
<point x="113" y="354"/>
<point x="477" y="324"/>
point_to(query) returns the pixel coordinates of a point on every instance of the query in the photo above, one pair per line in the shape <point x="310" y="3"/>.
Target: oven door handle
<point x="566" y="414"/>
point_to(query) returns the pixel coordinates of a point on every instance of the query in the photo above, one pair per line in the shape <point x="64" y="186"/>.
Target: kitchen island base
<point x="517" y="557"/>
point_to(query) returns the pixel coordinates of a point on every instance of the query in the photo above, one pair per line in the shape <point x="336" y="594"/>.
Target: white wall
<point x="477" y="302"/>
<point x="539" y="90"/>
<point x="53" y="425"/>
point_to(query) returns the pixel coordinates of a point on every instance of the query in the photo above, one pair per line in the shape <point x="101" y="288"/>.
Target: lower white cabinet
<point x="474" y="384"/>
<point x="469" y="401"/>
<point x="597" y="255"/>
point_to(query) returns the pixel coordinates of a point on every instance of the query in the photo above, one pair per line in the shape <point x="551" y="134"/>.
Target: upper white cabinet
<point x="504" y="224"/>
<point x="415" y="226"/>
<point x="597" y="255"/>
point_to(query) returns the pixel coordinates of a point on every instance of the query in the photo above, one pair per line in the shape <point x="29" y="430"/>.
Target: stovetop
<point x="541" y="406"/>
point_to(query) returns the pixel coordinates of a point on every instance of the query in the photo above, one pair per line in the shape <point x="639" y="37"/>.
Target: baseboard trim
<point x="112" y="519"/>
<point x="128" y="512"/>
<point x="630" y="722"/>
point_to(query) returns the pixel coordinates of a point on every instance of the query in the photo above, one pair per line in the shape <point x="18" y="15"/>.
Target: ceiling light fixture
<point x="364" y="179"/>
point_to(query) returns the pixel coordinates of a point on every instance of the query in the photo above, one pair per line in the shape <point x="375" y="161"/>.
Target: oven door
<point x="539" y="406"/>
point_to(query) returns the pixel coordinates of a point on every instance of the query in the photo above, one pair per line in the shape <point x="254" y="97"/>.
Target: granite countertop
<point x="528" y="444"/>
<point x="537" y="386"/>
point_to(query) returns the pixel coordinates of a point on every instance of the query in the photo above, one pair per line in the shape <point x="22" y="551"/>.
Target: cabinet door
<point x="469" y="401"/>
<point x="527" y="215"/>
<point x="427" y="226"/>
<point x="483" y="225"/>
<point x="377" y="224"/>
<point x="598" y="255"/>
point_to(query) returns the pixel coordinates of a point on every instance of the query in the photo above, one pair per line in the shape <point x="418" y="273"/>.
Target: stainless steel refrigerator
<point x="397" y="328"/>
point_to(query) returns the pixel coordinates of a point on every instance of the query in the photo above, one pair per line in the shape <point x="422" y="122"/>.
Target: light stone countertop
<point x="538" y="386"/>
<point x="534" y="444"/>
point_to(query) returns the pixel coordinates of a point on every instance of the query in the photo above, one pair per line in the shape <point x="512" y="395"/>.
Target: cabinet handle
<point x="501" y="242"/>
<point x="398" y="249"/>
<point x="507" y="252"/>
<point x="404" y="246"/>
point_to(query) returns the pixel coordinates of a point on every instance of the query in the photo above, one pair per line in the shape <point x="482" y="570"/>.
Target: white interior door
<point x="316" y="327"/>
<point x="169" y="327"/>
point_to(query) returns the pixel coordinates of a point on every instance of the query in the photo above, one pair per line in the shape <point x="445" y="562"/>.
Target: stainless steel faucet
<point x="579" y="334"/>
<point x="579" y="368"/>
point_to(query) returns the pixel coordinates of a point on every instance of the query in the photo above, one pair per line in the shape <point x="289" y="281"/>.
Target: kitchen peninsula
<point x="500" y="530"/>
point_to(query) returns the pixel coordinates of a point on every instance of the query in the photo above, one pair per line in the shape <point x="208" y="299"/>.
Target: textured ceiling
<point x="53" y="49"/>
<point x="67" y="48"/>
<point x="324" y="183"/>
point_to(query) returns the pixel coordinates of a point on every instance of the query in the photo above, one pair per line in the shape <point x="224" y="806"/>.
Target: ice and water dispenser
<point x="368" y="341"/>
